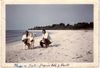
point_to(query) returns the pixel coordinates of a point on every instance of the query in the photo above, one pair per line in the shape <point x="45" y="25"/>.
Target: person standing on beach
<point x="28" y="39"/>
<point x="45" y="39"/>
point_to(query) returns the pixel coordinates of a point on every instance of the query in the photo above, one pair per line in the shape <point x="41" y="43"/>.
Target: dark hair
<point x="44" y="30"/>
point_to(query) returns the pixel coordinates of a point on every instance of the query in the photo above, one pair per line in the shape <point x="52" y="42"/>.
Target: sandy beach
<point x="67" y="46"/>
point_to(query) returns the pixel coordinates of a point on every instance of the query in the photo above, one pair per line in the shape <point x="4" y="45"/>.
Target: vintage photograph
<point x="49" y="33"/>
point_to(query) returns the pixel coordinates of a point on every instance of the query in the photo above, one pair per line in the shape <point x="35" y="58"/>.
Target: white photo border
<point x="70" y="65"/>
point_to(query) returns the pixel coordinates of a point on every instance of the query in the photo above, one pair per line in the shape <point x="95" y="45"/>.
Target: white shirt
<point x="30" y="37"/>
<point x="46" y="36"/>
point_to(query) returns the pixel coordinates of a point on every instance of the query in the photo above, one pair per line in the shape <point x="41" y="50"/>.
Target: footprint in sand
<point x="73" y="58"/>
<point x="64" y="40"/>
<point x="81" y="48"/>
<point x="85" y="60"/>
<point x="40" y="54"/>
<point x="77" y="57"/>
<point x="33" y="59"/>
<point x="70" y="41"/>
<point x="15" y="55"/>
<point x="22" y="58"/>
<point x="62" y="48"/>
<point x="89" y="52"/>
<point x="66" y="55"/>
<point x="58" y="53"/>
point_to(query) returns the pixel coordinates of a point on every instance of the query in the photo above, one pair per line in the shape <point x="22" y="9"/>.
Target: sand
<point x="67" y="46"/>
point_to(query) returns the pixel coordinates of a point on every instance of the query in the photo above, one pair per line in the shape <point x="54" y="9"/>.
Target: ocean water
<point x="16" y="35"/>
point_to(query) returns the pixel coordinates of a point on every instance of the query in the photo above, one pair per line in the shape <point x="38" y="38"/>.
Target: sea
<point x="16" y="35"/>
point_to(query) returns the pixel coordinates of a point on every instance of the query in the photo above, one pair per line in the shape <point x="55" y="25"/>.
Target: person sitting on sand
<point x="28" y="39"/>
<point x="45" y="39"/>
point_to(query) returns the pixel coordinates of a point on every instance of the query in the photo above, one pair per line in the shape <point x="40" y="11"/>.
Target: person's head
<point x="26" y="32"/>
<point x="43" y="31"/>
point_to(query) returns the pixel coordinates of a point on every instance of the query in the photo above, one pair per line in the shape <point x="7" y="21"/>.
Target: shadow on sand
<point x="55" y="45"/>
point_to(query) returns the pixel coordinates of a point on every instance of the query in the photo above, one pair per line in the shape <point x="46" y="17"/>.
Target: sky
<point x="22" y="17"/>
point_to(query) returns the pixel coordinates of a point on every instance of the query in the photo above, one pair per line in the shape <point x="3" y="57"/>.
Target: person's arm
<point x="22" y="37"/>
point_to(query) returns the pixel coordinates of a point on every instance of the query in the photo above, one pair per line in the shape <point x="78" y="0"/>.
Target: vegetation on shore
<point x="62" y="26"/>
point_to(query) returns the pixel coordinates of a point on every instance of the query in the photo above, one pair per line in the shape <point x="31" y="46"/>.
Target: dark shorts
<point x="26" y="41"/>
<point x="46" y="42"/>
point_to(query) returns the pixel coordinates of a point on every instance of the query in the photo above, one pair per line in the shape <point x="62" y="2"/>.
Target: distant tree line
<point x="62" y="26"/>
